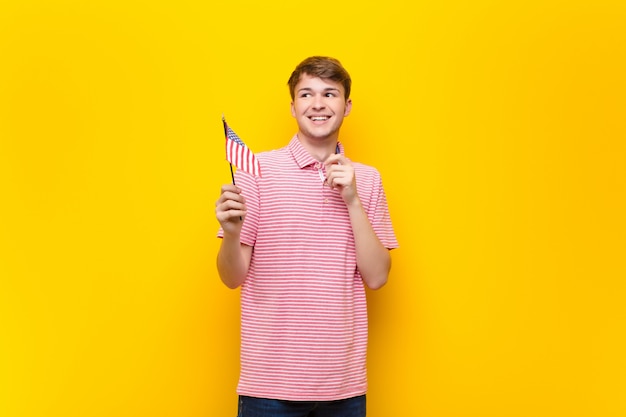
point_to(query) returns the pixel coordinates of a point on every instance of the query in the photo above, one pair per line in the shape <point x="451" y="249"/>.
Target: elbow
<point x="232" y="283"/>
<point x="377" y="279"/>
<point x="229" y="279"/>
<point x="376" y="284"/>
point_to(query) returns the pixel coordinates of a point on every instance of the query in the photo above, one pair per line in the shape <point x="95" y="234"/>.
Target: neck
<point x="320" y="149"/>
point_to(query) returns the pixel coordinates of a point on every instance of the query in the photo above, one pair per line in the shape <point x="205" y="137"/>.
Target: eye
<point x="305" y="95"/>
<point x="330" y="95"/>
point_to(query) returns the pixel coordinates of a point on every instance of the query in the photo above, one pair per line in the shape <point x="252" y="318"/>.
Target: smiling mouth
<point x="319" y="118"/>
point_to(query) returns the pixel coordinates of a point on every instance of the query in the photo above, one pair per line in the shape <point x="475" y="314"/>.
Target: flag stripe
<point x="238" y="154"/>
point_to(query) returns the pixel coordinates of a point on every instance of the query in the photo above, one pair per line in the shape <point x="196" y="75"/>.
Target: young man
<point x="315" y="228"/>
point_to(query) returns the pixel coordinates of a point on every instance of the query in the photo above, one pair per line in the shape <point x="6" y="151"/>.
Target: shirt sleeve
<point x="379" y="216"/>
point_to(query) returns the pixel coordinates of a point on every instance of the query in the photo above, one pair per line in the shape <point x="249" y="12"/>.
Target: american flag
<point x="238" y="154"/>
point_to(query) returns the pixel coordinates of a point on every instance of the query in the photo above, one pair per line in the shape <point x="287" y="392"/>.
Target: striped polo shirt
<point x="303" y="306"/>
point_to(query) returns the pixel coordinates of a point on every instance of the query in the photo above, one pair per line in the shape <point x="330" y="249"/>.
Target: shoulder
<point x="366" y="172"/>
<point x="273" y="156"/>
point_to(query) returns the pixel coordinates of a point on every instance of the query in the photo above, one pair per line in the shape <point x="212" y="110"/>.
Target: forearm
<point x="233" y="260"/>
<point x="372" y="258"/>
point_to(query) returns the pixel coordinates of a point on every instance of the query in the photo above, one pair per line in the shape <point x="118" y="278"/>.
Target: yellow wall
<point x="498" y="128"/>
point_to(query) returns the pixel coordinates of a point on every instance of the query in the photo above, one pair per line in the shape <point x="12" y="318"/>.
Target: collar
<point x="301" y="156"/>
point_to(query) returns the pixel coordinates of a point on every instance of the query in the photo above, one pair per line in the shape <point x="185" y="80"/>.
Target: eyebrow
<point x="325" y="89"/>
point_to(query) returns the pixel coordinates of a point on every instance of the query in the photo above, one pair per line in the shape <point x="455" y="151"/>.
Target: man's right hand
<point x="230" y="209"/>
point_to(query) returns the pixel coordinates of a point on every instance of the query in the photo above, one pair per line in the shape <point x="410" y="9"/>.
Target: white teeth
<point x="319" y="119"/>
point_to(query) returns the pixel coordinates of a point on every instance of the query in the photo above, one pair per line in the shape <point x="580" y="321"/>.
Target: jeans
<point x="262" y="407"/>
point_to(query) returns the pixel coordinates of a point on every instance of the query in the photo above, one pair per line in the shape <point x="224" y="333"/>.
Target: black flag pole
<point x="232" y="174"/>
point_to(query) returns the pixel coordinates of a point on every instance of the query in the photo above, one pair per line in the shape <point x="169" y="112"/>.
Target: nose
<point x="318" y="102"/>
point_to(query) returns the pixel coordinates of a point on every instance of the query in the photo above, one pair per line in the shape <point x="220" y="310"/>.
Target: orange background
<point x="498" y="129"/>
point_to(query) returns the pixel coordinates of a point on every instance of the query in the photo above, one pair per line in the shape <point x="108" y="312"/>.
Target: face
<point x="319" y="107"/>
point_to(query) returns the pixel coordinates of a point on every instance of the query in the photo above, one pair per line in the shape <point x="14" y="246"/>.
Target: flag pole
<point x="232" y="174"/>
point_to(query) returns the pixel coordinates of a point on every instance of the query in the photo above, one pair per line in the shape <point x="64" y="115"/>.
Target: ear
<point x="293" y="110"/>
<point x="348" y="107"/>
